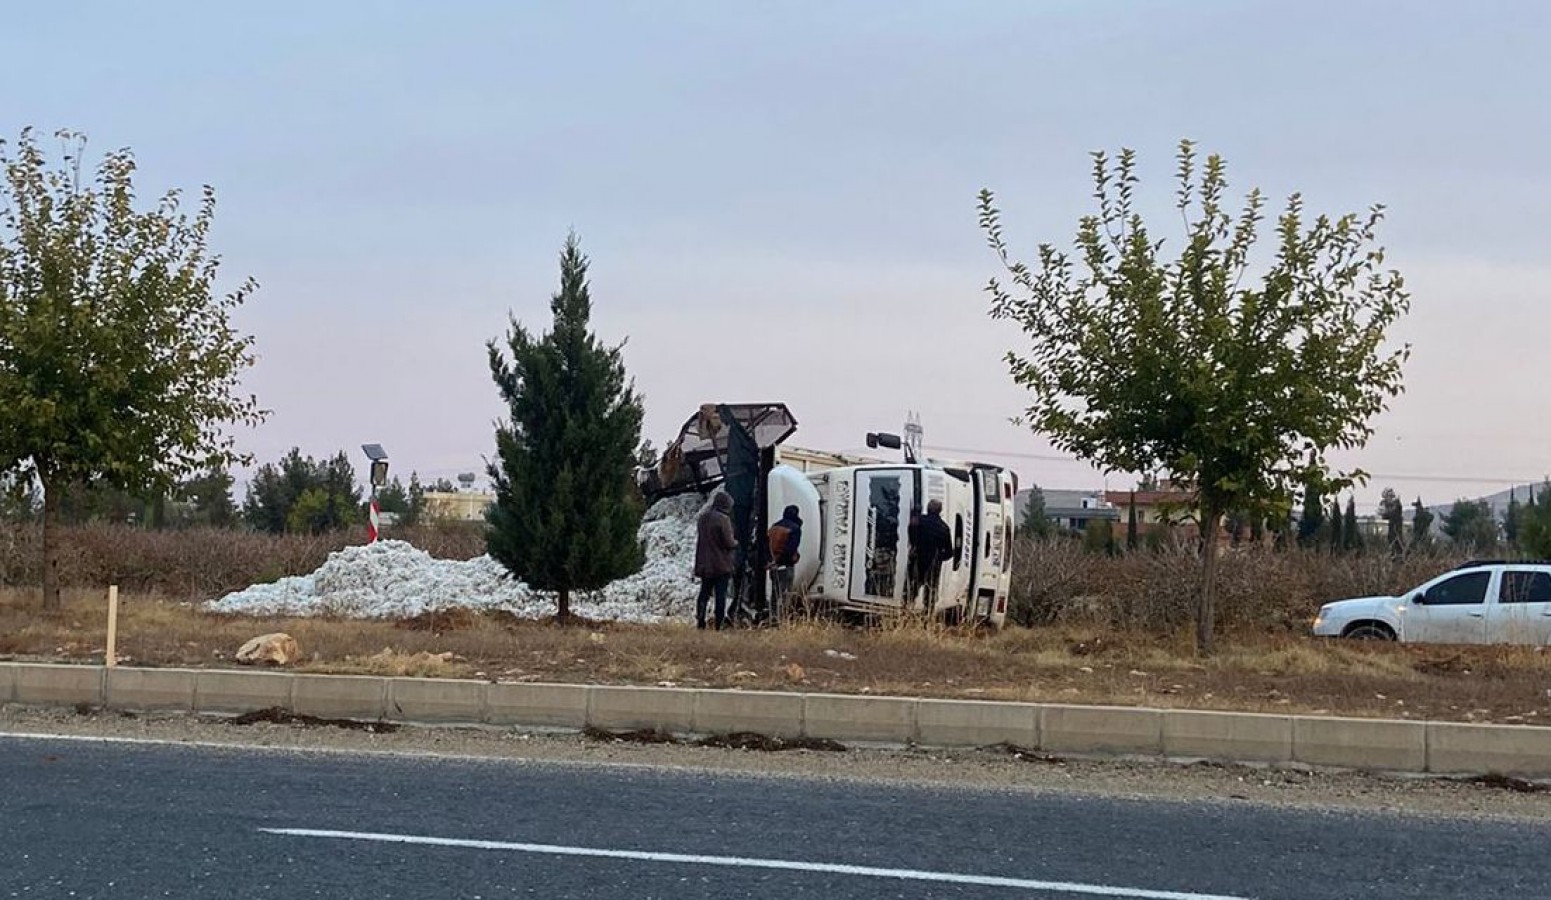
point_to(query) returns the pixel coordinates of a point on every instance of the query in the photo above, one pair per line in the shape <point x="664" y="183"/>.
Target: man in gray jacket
<point x="714" y="546"/>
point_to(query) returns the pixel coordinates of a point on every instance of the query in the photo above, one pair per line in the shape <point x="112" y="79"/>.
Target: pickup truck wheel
<point x="1369" y="631"/>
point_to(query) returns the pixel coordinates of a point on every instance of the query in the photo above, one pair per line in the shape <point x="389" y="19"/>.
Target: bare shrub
<point x="199" y="562"/>
<point x="1055" y="580"/>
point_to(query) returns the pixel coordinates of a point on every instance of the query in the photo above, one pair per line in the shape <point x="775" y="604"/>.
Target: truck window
<point x="958" y="540"/>
<point x="882" y="549"/>
<point x="1461" y="590"/>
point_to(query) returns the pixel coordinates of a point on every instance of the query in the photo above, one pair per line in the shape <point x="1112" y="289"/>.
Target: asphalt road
<point x="88" y="819"/>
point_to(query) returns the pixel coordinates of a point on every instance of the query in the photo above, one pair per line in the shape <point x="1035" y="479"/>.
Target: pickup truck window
<point x="1461" y="590"/>
<point x="1525" y="587"/>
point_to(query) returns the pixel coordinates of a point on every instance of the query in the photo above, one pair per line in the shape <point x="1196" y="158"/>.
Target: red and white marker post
<point x="373" y="522"/>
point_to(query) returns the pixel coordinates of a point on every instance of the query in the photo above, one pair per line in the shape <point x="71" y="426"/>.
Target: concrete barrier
<point x="544" y="705"/>
<point x="762" y="712"/>
<point x="1438" y="747"/>
<point x="1226" y="736"/>
<point x="976" y="723"/>
<point x="1101" y="729"/>
<point x="7" y="682"/>
<point x="619" y="708"/>
<point x="340" y="696"/>
<point x="227" y="691"/>
<point x="436" y="700"/>
<point x="847" y="717"/>
<point x="1372" y="744"/>
<point x="1458" y="749"/>
<point x="47" y="684"/>
<point x="150" y="689"/>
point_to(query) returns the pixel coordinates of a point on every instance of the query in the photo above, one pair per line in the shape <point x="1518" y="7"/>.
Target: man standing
<point x="714" y="546"/>
<point x="932" y="543"/>
<point x="785" y="538"/>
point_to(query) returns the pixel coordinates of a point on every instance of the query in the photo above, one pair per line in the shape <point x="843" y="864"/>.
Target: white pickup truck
<point x="1483" y="602"/>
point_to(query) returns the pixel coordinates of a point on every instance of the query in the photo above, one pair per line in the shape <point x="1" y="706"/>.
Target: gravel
<point x="995" y="770"/>
<point x="393" y="579"/>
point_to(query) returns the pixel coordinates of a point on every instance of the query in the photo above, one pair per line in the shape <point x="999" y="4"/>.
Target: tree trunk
<point x="50" y="544"/>
<point x="1206" y="612"/>
<point x="563" y="615"/>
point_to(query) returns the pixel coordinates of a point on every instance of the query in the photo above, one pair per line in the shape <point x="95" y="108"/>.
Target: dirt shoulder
<point x="1254" y="672"/>
<point x="995" y="770"/>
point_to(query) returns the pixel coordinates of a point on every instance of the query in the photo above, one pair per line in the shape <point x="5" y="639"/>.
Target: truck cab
<point x="857" y="558"/>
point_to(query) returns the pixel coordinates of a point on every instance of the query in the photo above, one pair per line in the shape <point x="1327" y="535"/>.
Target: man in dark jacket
<point x="714" y="546"/>
<point x="931" y="543"/>
<point x="785" y="538"/>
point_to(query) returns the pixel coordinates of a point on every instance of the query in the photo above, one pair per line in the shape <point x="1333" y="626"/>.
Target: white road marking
<point x="792" y="865"/>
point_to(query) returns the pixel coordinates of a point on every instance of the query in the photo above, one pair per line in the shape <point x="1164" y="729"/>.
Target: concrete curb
<point x="1372" y="744"/>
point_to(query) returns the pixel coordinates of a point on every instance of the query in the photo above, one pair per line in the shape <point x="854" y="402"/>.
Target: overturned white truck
<point x="855" y="552"/>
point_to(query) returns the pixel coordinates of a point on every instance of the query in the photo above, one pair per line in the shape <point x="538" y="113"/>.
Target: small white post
<point x="112" y="653"/>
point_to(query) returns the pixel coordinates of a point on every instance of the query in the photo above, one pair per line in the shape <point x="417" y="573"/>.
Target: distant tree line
<point x="294" y="495"/>
<point x="1331" y="524"/>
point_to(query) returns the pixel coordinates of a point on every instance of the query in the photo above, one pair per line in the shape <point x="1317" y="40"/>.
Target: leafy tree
<point x="82" y="502"/>
<point x="1421" y="524"/>
<point x="416" y="511"/>
<point x="567" y="509"/>
<point x="209" y="496"/>
<point x="1471" y="525"/>
<point x="1393" y="512"/>
<point x="276" y="490"/>
<point x="407" y="503"/>
<point x="1312" y="523"/>
<point x="1535" y="524"/>
<point x="1034" y="521"/>
<point x="1098" y="536"/>
<point x="1236" y="382"/>
<point x="118" y="361"/>
<point x="393" y="497"/>
<point x="310" y="513"/>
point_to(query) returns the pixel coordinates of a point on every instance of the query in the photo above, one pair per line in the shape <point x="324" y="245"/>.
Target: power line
<point x="1373" y="476"/>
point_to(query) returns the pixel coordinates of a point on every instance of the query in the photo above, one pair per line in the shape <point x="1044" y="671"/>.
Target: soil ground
<point x="1252" y="671"/>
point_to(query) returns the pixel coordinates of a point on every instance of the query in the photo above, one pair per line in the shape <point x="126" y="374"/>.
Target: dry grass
<point x="1256" y="671"/>
<point x="1258" y="589"/>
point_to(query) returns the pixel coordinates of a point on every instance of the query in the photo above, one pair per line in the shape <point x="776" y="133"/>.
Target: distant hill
<point x="1498" y="501"/>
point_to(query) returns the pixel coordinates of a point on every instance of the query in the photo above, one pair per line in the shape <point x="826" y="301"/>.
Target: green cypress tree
<point x="1337" y="540"/>
<point x="1421" y="524"/>
<point x="1312" y="522"/>
<point x="1353" y="537"/>
<point x="567" y="509"/>
<point x="1511" y="519"/>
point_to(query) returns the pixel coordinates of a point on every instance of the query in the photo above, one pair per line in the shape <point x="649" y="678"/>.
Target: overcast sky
<point x="779" y="198"/>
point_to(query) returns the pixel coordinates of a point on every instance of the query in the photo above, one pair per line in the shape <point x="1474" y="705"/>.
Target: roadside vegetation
<point x="1091" y="628"/>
